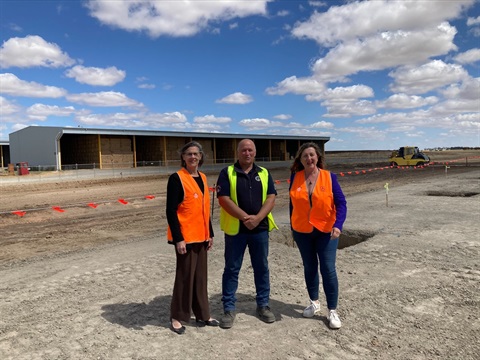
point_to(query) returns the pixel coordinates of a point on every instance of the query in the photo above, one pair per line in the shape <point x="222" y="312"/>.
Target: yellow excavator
<point x="408" y="156"/>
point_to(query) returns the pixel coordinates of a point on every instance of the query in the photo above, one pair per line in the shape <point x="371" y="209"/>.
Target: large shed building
<point x="62" y="148"/>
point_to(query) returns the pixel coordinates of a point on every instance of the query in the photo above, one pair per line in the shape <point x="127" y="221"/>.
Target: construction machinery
<point x="408" y="156"/>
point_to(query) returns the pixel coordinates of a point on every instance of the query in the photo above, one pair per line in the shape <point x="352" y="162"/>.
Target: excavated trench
<point x="348" y="237"/>
<point x="452" y="193"/>
<point x="353" y="237"/>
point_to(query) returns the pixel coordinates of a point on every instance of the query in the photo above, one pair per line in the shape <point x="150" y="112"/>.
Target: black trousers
<point x="190" y="291"/>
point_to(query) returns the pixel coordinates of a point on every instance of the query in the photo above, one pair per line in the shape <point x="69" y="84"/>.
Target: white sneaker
<point x="334" y="320"/>
<point x="311" y="309"/>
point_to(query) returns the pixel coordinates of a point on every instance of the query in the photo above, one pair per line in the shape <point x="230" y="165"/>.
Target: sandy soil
<point x="95" y="283"/>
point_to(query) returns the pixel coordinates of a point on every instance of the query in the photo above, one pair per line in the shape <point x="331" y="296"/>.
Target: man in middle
<point x="246" y="193"/>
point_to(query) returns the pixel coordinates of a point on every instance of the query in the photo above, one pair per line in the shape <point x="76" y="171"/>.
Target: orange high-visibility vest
<point x="322" y="213"/>
<point x="194" y="211"/>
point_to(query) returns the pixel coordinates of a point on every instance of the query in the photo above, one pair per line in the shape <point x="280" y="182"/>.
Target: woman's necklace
<point x="311" y="180"/>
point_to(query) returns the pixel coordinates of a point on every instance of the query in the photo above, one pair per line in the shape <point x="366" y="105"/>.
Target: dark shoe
<point x="179" y="331"/>
<point x="202" y="323"/>
<point x="226" y="322"/>
<point x="265" y="314"/>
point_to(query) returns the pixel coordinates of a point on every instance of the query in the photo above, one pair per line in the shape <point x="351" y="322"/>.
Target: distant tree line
<point x="454" y="148"/>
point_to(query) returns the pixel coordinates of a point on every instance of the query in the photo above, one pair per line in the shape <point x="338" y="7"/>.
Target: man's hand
<point x="251" y="221"/>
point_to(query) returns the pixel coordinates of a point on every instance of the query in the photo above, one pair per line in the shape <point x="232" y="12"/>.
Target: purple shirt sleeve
<point x="340" y="202"/>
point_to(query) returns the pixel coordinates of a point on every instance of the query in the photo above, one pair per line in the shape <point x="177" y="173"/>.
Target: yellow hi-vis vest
<point x="194" y="211"/>
<point x="231" y="225"/>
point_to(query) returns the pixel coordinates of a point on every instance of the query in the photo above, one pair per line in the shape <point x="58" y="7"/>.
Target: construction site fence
<point x="118" y="170"/>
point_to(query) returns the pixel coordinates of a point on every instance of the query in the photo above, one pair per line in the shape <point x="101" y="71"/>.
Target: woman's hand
<point x="210" y="243"/>
<point x="335" y="234"/>
<point x="181" y="247"/>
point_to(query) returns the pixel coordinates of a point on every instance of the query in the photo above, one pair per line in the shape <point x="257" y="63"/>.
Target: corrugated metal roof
<point x="91" y="131"/>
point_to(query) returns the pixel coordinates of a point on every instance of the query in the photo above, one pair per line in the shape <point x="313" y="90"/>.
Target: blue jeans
<point x="234" y="250"/>
<point x="317" y="247"/>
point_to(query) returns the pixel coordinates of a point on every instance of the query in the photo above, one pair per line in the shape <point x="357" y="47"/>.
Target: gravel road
<point x="95" y="283"/>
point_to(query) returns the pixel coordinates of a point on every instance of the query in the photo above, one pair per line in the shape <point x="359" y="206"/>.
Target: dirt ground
<point x="93" y="278"/>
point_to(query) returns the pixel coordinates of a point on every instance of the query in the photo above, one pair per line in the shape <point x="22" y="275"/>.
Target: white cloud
<point x="211" y="119"/>
<point x="8" y="107"/>
<point x="104" y="99"/>
<point x="115" y="119"/>
<point x="206" y="127"/>
<point x="404" y="101"/>
<point x="96" y="76"/>
<point x="171" y="18"/>
<point x="15" y="27"/>
<point x="19" y="126"/>
<point x="299" y="86"/>
<point x="32" y="51"/>
<point x="340" y="108"/>
<point x="368" y="18"/>
<point x="302" y="131"/>
<point x="468" y="57"/>
<point x="380" y="35"/>
<point x="259" y="123"/>
<point x="399" y="48"/>
<point x="41" y="112"/>
<point x="429" y="76"/>
<point x="460" y="99"/>
<point x="468" y="89"/>
<point x="146" y="86"/>
<point x="12" y="85"/>
<point x="235" y="98"/>
<point x="174" y="120"/>
<point x="293" y="125"/>
<point x="419" y="121"/>
<point x="318" y="3"/>
<point x="473" y="21"/>
<point x="323" y="125"/>
<point x="370" y="133"/>
<point x="282" y="117"/>
<point x="343" y="93"/>
<point x="345" y="101"/>
<point x="457" y="106"/>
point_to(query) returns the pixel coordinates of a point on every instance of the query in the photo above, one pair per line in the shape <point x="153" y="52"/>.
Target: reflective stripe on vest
<point x="304" y="217"/>
<point x="231" y="225"/>
<point x="194" y="211"/>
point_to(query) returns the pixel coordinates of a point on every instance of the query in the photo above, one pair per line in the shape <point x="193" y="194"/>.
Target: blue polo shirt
<point x="249" y="192"/>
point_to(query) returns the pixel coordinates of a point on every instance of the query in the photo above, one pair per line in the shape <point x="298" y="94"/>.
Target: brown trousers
<point x="190" y="288"/>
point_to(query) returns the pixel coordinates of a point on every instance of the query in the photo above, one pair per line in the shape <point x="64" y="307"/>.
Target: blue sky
<point x="368" y="74"/>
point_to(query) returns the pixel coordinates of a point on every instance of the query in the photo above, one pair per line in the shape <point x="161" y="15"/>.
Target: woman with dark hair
<point x="190" y="230"/>
<point x="317" y="212"/>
